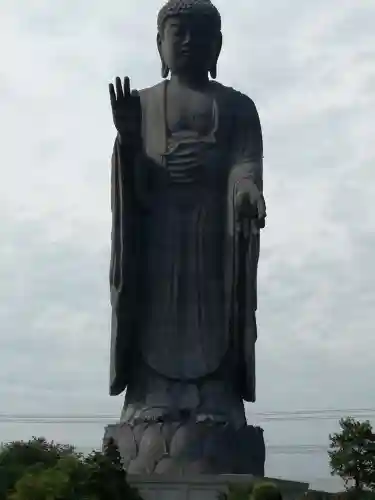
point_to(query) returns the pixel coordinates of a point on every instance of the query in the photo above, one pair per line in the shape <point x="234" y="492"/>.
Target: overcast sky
<point x="310" y="68"/>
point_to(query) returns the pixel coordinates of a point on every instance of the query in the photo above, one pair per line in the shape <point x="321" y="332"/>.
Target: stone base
<point x="189" y="448"/>
<point x="156" y="487"/>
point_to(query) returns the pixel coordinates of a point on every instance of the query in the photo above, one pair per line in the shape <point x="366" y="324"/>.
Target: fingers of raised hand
<point x="118" y="91"/>
<point x="123" y="91"/>
<point x="112" y="94"/>
<point x="126" y="86"/>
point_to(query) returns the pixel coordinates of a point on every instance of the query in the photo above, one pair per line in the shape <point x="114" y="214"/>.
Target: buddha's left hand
<point x="250" y="204"/>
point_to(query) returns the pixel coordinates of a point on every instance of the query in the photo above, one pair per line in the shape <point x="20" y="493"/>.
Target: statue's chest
<point x="190" y="111"/>
<point x="183" y="138"/>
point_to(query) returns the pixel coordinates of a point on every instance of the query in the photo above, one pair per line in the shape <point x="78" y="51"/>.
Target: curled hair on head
<point x="193" y="7"/>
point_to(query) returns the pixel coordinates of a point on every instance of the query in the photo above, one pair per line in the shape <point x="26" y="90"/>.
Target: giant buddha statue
<point x="187" y="209"/>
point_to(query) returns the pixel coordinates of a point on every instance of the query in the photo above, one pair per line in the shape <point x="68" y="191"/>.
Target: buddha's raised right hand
<point x="126" y="111"/>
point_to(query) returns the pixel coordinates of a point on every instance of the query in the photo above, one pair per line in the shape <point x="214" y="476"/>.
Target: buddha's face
<point x="188" y="44"/>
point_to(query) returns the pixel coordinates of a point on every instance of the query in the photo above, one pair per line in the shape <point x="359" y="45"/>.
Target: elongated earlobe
<point x="164" y="70"/>
<point x="216" y="54"/>
<point x="213" y="72"/>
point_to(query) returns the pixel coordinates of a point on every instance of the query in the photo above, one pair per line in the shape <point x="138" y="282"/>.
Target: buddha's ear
<point x="158" y="42"/>
<point x="164" y="66"/>
<point x="215" y="56"/>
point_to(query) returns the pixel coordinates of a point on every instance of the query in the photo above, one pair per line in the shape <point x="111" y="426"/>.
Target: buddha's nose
<point x="187" y="38"/>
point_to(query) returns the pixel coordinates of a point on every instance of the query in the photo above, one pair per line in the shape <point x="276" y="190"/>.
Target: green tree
<point x="260" y="490"/>
<point x="18" y="457"/>
<point x="65" y="475"/>
<point x="266" y="491"/>
<point x="42" y="484"/>
<point x="237" y="492"/>
<point x="352" y="454"/>
<point x="107" y="477"/>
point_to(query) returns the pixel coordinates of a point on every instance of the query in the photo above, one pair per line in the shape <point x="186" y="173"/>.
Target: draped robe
<point x="239" y="152"/>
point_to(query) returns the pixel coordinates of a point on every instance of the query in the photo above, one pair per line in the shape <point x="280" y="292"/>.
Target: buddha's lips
<point x="186" y="50"/>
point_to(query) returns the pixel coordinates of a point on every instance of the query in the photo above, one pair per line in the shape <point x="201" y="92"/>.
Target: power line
<point x="286" y="416"/>
<point x="318" y="411"/>
<point x="262" y="413"/>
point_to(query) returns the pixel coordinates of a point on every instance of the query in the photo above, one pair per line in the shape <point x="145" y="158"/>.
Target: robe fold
<point x="240" y="146"/>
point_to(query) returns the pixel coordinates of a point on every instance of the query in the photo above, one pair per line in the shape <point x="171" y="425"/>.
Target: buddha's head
<point x="189" y="37"/>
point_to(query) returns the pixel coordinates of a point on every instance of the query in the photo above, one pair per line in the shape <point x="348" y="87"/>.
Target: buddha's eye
<point x="175" y="29"/>
<point x="179" y="32"/>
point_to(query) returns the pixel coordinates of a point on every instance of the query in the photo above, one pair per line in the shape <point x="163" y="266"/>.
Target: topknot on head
<point x="193" y="7"/>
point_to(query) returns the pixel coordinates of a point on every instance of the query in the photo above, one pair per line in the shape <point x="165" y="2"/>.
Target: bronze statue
<point x="187" y="209"/>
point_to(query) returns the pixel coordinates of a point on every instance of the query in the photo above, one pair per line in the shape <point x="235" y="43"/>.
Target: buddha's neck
<point x="194" y="82"/>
